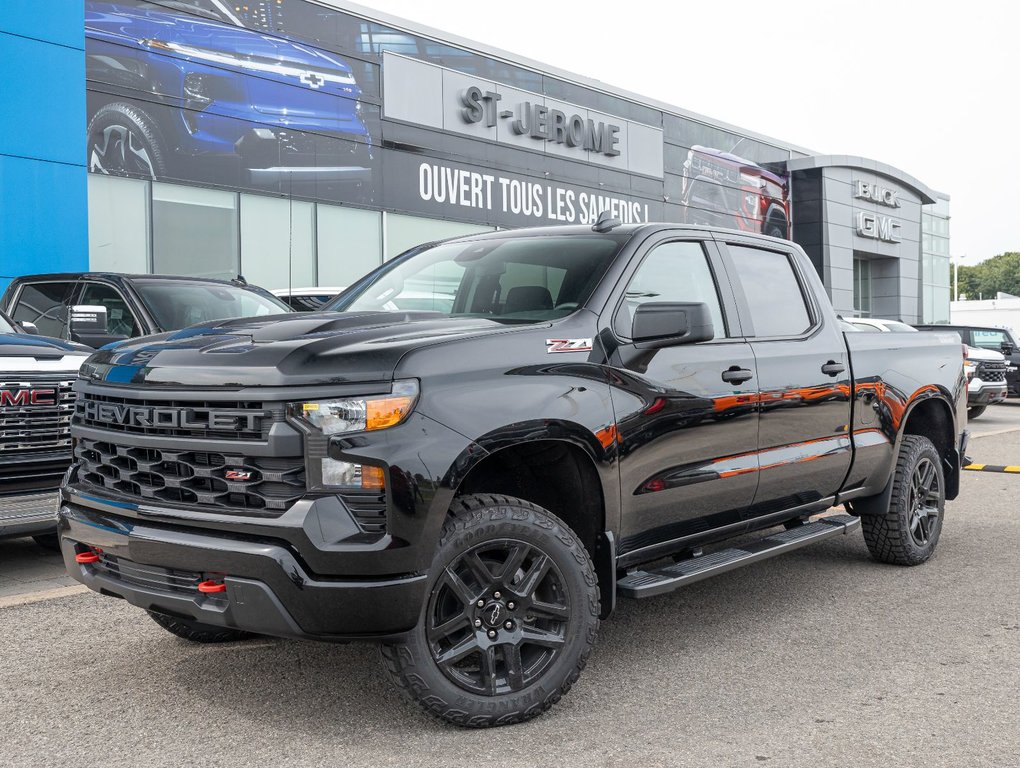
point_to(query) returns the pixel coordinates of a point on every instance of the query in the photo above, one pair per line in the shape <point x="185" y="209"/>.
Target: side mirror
<point x="669" y="324"/>
<point x="1007" y="348"/>
<point x="28" y="327"/>
<point x="88" y="319"/>
<point x="88" y="325"/>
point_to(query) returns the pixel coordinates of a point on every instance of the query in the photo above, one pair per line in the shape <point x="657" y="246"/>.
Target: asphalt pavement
<point x="817" y="658"/>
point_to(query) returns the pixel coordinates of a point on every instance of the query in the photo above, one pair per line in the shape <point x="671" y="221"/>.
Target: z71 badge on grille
<point x="567" y="345"/>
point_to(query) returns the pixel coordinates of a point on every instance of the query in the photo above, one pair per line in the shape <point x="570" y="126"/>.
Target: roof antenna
<point x="606" y="222"/>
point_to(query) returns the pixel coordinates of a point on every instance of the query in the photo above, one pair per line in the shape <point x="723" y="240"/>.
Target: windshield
<point x="510" y="280"/>
<point x="176" y="304"/>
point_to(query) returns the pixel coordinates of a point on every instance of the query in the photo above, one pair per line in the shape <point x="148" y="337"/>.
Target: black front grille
<point x="154" y="577"/>
<point x="220" y="482"/>
<point x="32" y="422"/>
<point x="182" y="415"/>
<point x="991" y="372"/>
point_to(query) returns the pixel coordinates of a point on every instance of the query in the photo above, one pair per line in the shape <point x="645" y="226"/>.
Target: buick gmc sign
<point x="877" y="194"/>
<point x="432" y="96"/>
<point x="540" y="122"/>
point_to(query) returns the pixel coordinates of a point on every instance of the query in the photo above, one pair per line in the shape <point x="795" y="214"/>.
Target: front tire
<point x="974" y="411"/>
<point x="908" y="532"/>
<point x="197" y="632"/>
<point x="511" y="616"/>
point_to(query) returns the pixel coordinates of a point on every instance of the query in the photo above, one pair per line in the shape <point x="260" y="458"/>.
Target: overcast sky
<point x="931" y="88"/>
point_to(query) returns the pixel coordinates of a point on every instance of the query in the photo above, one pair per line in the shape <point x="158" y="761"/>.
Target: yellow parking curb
<point x="993" y="468"/>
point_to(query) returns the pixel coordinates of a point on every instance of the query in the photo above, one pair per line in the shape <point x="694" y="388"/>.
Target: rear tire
<point x="511" y="616"/>
<point x="974" y="411"/>
<point x="197" y="632"/>
<point x="909" y="531"/>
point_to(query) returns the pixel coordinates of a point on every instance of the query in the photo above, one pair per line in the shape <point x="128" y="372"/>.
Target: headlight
<point x="359" y="414"/>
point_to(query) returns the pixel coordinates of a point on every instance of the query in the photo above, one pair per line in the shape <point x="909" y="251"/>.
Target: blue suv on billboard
<point x="176" y="90"/>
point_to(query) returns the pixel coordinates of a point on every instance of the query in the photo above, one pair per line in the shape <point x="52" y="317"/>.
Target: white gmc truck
<point x="36" y="403"/>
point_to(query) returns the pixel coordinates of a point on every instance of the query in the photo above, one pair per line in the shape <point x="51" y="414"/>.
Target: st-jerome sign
<point x="541" y="123"/>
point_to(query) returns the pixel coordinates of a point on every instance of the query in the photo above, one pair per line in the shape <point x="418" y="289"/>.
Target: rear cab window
<point x="776" y="299"/>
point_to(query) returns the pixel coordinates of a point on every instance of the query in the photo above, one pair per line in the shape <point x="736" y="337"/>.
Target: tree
<point x="984" y="280"/>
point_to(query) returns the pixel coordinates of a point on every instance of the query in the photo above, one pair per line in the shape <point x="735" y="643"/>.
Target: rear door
<point x="686" y="416"/>
<point x="804" y="446"/>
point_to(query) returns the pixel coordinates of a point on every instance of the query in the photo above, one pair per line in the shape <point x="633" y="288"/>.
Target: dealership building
<point x="304" y="142"/>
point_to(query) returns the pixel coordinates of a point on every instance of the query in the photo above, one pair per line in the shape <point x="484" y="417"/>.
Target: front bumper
<point x="985" y="393"/>
<point x="268" y="590"/>
<point x="28" y="514"/>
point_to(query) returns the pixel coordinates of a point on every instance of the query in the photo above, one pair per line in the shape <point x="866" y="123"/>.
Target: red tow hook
<point x="209" y="586"/>
<point x="87" y="557"/>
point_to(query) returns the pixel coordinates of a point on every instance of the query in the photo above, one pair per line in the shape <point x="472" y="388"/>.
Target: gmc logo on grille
<point x="21" y="397"/>
<point x="172" y="418"/>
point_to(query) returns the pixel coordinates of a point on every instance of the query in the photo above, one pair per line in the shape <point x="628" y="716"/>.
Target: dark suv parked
<point x="987" y="337"/>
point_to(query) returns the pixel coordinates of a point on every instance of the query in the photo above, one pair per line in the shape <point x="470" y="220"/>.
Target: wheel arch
<point x="928" y="414"/>
<point x="562" y="468"/>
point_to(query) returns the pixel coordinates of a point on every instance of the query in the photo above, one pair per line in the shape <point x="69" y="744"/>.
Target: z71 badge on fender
<point x="567" y="345"/>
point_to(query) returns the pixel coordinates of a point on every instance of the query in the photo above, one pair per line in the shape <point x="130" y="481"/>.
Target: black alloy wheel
<point x="498" y="616"/>
<point x="924" y="499"/>
<point x="511" y="615"/>
<point x="908" y="530"/>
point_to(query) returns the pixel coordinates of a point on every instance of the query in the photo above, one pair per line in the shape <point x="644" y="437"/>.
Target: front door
<point x="686" y="416"/>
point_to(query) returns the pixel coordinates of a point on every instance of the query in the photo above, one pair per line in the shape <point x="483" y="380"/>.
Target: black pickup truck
<point x="589" y="412"/>
<point x="128" y="305"/>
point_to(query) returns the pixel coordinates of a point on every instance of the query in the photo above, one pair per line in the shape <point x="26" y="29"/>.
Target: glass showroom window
<point x="118" y="224"/>
<point x="349" y="243"/>
<point x="194" y="231"/>
<point x="277" y="242"/>
<point x="403" y="232"/>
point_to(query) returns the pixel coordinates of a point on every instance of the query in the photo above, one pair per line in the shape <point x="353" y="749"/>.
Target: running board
<point x="660" y="580"/>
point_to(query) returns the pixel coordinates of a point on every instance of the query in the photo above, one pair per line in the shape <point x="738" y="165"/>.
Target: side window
<point x="773" y="291"/>
<point x="44" y="304"/>
<point x="676" y="271"/>
<point x="119" y="318"/>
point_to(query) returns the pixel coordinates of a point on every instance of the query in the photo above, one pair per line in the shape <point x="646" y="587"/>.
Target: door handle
<point x="736" y="375"/>
<point x="832" y="368"/>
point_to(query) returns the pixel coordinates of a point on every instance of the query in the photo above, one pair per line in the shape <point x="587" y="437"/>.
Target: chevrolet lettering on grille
<point x="172" y="418"/>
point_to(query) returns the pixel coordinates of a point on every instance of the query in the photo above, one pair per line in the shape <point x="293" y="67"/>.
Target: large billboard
<point x="295" y="98"/>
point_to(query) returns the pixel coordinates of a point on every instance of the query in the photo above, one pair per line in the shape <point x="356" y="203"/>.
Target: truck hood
<point x="39" y="347"/>
<point x="984" y="355"/>
<point x="300" y="349"/>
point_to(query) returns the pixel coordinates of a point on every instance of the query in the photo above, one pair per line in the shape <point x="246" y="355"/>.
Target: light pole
<point x="956" y="275"/>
